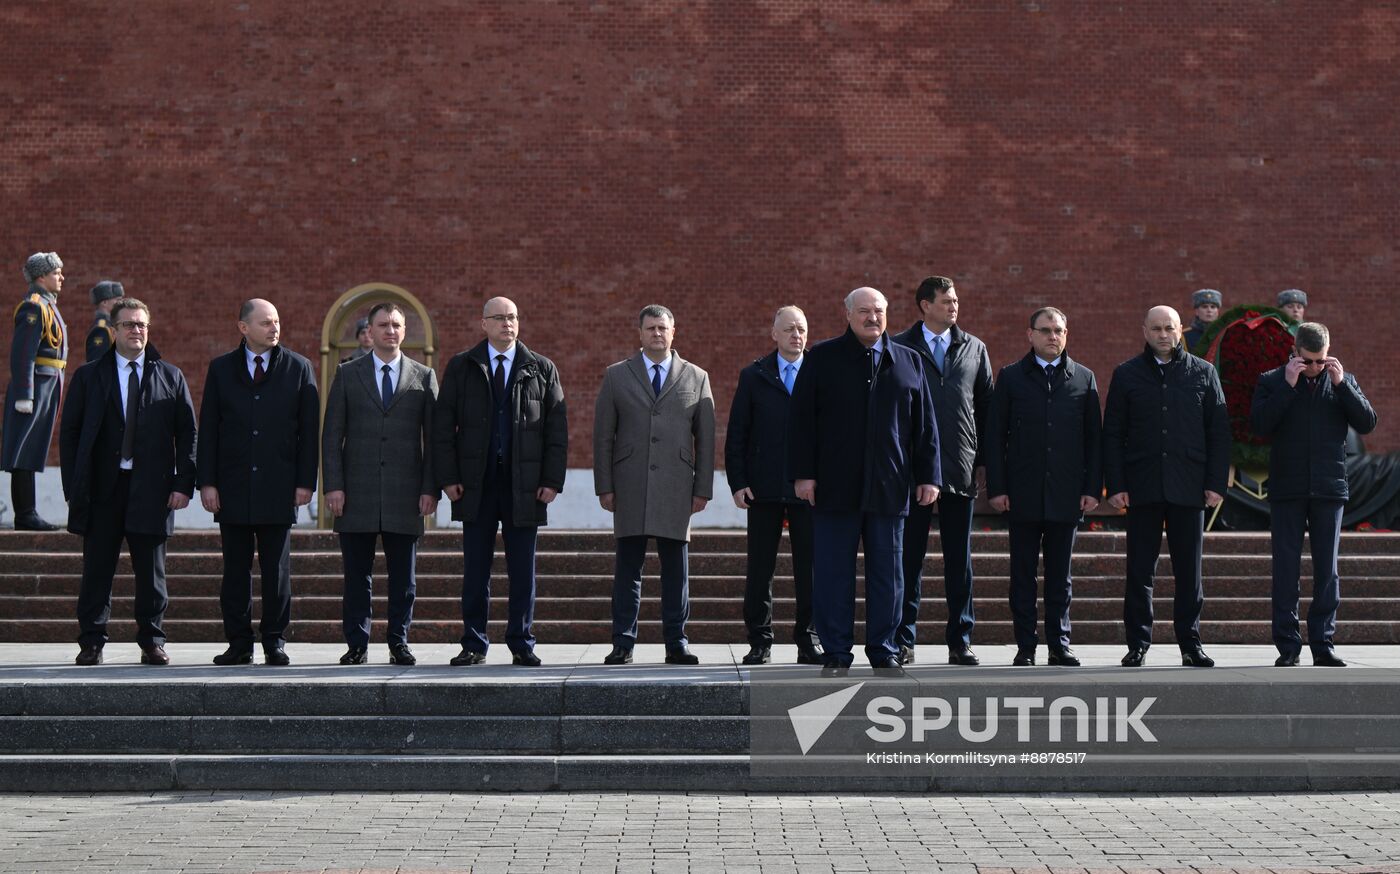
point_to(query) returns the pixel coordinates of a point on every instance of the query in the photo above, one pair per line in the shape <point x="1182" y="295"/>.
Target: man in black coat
<point x="862" y="440"/>
<point x="99" y="339"/>
<point x="500" y="444"/>
<point x="1166" y="456"/>
<point x="959" y="374"/>
<point x="1305" y="408"/>
<point x="1044" y="470"/>
<point x="755" y="456"/>
<point x="127" y="446"/>
<point x="38" y="356"/>
<point x="259" y="423"/>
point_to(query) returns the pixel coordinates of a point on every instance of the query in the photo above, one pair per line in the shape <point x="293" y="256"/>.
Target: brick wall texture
<point x="718" y="157"/>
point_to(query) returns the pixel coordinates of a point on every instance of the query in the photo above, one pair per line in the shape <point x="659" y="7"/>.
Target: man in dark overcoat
<point x="1045" y="472"/>
<point x="375" y="450"/>
<point x="500" y="452"/>
<point x="38" y="356"/>
<point x="259" y="423"/>
<point x="862" y="442"/>
<point x="1166" y="457"/>
<point x="959" y="374"/>
<point x="127" y="445"/>
<point x="1305" y="408"/>
<point x="755" y="455"/>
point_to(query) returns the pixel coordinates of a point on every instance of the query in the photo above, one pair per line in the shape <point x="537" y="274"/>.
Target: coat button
<point x="255" y="433"/>
<point x="656" y="440"/>
<point x="653" y="467"/>
<point x="257" y="397"/>
<point x="255" y="468"/>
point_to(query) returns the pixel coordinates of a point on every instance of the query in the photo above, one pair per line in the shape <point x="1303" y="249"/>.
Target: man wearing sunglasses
<point x="1305" y="408"/>
<point x="127" y="446"/>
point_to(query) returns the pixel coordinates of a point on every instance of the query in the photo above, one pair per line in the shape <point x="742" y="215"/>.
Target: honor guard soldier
<point x="99" y="339"/>
<point x="1206" y="307"/>
<point x="1294" y="301"/>
<point x="38" y="354"/>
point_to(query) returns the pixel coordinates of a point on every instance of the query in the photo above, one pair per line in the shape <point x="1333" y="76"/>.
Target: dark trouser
<point x="478" y="549"/>
<point x="627" y="590"/>
<point x="274" y="544"/>
<point x="22" y="493"/>
<point x="836" y="537"/>
<point x="102" y="544"/>
<point x="1027" y="541"/>
<point x="357" y="553"/>
<point x="1323" y="520"/>
<point x="765" y="535"/>
<point x="955" y="534"/>
<point x="1184" y="527"/>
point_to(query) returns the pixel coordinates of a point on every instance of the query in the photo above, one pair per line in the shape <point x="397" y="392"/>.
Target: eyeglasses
<point x="138" y="327"/>
<point x="1312" y="362"/>
<point x="1051" y="332"/>
<point x="506" y="318"/>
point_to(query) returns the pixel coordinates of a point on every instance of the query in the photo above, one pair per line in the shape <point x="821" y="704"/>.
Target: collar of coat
<point x="1030" y="365"/>
<point x="152" y="354"/>
<point x="273" y="355"/>
<point x="525" y="363"/>
<point x="854" y="343"/>
<point x="1150" y="356"/>
<point x="914" y="339"/>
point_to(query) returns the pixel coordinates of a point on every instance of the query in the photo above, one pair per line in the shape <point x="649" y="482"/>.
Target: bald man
<point x="500" y="447"/>
<point x="259" y="424"/>
<point x="1166" y="457"/>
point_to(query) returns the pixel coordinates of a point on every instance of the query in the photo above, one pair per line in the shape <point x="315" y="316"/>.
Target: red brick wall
<point x="721" y="158"/>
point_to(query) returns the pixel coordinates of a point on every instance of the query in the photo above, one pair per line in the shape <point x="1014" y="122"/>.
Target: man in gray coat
<point x="653" y="467"/>
<point x="379" y="482"/>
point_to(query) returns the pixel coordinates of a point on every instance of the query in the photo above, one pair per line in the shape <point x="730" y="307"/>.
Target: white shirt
<point x="252" y="365"/>
<point x="1044" y="364"/>
<point x="123" y="374"/>
<point x="394" y="367"/>
<point x="509" y="362"/>
<point x="665" y="368"/>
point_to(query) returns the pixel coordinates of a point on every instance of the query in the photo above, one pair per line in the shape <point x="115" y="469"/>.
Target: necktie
<point x="656" y="378"/>
<point x="788" y="377"/>
<point x="498" y="379"/>
<point x="1050" y="376"/>
<point x="258" y="372"/>
<point x="938" y="355"/>
<point x="386" y="387"/>
<point x="133" y="394"/>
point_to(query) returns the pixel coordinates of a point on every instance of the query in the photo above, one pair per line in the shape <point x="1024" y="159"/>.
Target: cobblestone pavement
<point x="299" y="832"/>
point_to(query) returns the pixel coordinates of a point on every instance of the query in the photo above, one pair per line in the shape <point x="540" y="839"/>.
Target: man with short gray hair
<point x="1305" y="408"/>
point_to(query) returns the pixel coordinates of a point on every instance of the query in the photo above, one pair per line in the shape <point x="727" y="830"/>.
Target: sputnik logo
<point x="811" y="720"/>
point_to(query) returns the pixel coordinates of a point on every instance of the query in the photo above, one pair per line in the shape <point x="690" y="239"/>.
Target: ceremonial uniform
<point x="38" y="355"/>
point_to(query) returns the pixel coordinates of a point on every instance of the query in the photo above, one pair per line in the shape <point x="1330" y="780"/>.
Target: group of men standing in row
<point x="855" y="443"/>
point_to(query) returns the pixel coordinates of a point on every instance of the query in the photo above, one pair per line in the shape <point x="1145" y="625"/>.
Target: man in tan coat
<point x="653" y="467"/>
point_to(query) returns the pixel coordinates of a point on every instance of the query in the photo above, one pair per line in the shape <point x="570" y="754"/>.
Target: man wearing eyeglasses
<point x="500" y="452"/>
<point x="38" y="356"/>
<point x="127" y="445"/>
<point x="1305" y="408"/>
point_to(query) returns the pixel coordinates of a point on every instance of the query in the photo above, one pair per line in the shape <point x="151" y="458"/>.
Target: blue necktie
<point x="386" y="388"/>
<point x="656" y="379"/>
<point x="938" y="356"/>
<point x="788" y="377"/>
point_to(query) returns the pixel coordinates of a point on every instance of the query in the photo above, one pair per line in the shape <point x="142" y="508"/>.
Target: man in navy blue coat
<point x="1045" y="473"/>
<point x="862" y="439"/>
<point x="259" y="446"/>
<point x="1305" y="407"/>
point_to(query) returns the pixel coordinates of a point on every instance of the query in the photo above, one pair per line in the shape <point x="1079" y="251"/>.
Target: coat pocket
<point x="688" y="457"/>
<point x="621" y="454"/>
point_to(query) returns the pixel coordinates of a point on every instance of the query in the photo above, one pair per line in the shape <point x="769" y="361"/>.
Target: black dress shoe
<point x="89" y="656"/>
<point x="906" y="655"/>
<point x="234" y="656"/>
<point x="1287" y="660"/>
<point x="32" y="521"/>
<point x="1195" y="657"/>
<point x="154" y="655"/>
<point x="809" y="655"/>
<point x="758" y="655"/>
<point x="355" y="655"/>
<point x="888" y="666"/>
<point x="526" y="659"/>
<point x="400" y="654"/>
<point x="620" y="655"/>
<point x="963" y="656"/>
<point x="1065" y="657"/>
<point x="1025" y="657"/>
<point x="1326" y="658"/>
<point x="834" y="669"/>
<point x="466" y="658"/>
<point x="681" y="656"/>
<point x="1136" y="657"/>
<point x="275" y="656"/>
